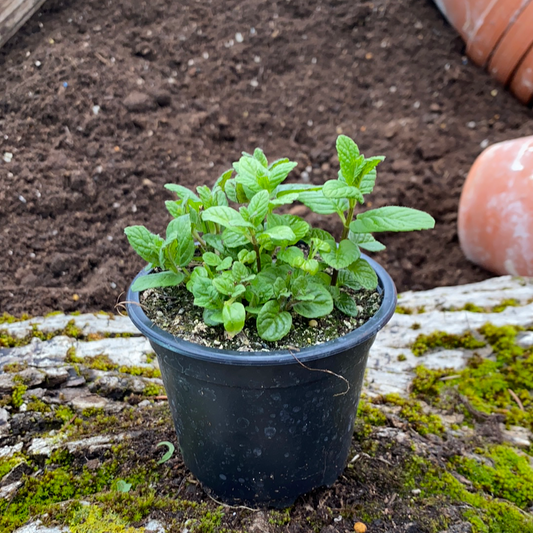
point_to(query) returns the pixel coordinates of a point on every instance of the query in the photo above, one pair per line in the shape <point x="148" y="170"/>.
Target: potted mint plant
<point x="262" y="324"/>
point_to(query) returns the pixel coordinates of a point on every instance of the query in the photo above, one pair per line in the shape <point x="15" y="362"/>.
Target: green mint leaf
<point x="215" y="241"/>
<point x="231" y="189"/>
<point x="212" y="317"/>
<point x="366" y="241"/>
<point x="338" y="189"/>
<point x="347" y="278"/>
<point x="223" y="179"/>
<point x="367" y="182"/>
<point x="367" y="168"/>
<point x="310" y="266"/>
<point x="260" y="156"/>
<point x="240" y="272"/>
<point x="247" y="256"/>
<point x="392" y="218"/>
<point x="205" y="294"/>
<point x="279" y="173"/>
<point x="281" y="234"/>
<point x="273" y="325"/>
<point x="145" y="243"/>
<point x="182" y="192"/>
<point x="321" y="234"/>
<point x="364" y="274"/>
<point x="225" y="216"/>
<point x="224" y="284"/>
<point x="226" y="263"/>
<point x="204" y="192"/>
<point x="160" y="279"/>
<point x="219" y="198"/>
<point x="280" y="289"/>
<point x="258" y="207"/>
<point x="198" y="272"/>
<point x="239" y="290"/>
<point x="234" y="238"/>
<point x="283" y="200"/>
<point x="179" y="246"/>
<point x="349" y="157"/>
<point x="343" y="255"/>
<point x="292" y="255"/>
<point x="175" y="208"/>
<point x="320" y="305"/>
<point x="233" y="316"/>
<point x="299" y="226"/>
<point x="318" y="203"/>
<point x="122" y="486"/>
<point x="251" y="174"/>
<point x="169" y="452"/>
<point x="346" y="304"/>
<point x="211" y="259"/>
<point x="253" y="310"/>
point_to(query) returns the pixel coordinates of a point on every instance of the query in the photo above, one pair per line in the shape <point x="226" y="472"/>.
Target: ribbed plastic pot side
<point x="262" y="428"/>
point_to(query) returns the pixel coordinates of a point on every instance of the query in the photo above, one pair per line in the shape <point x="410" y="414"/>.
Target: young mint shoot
<point x="252" y="263"/>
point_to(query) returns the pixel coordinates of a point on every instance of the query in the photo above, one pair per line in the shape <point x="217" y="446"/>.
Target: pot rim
<point x="281" y="357"/>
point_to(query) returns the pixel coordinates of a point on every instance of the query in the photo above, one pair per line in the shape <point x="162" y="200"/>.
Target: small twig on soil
<point x="448" y="378"/>
<point x="325" y="371"/>
<point x="119" y="306"/>
<point x="516" y="399"/>
<point x="160" y="398"/>
<point x="233" y="506"/>
<point x="102" y="59"/>
<point x="70" y="422"/>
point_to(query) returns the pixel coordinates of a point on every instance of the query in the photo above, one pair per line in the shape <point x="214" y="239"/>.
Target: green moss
<point x="17" y="396"/>
<point x="147" y="372"/>
<point x="416" y="326"/>
<point x="72" y="357"/>
<point x="427" y="384"/>
<point x="403" y="310"/>
<point x="15" y="367"/>
<point x="152" y="389"/>
<point x="279" y="518"/>
<point x="370" y="414"/>
<point x="502" y="306"/>
<point x="6" y="318"/>
<point x="52" y="486"/>
<point x="64" y="413"/>
<point x="510" y="475"/>
<point x="473" y="308"/>
<point x="100" y="362"/>
<point x="486" y="514"/>
<point x="38" y="405"/>
<point x="8" y="463"/>
<point x="412" y="411"/>
<point x="441" y="339"/>
<point x="70" y="330"/>
<point x="53" y="313"/>
<point x="402" y="357"/>
<point x="91" y="519"/>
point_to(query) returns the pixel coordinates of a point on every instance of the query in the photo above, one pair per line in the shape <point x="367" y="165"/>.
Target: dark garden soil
<point x="102" y="103"/>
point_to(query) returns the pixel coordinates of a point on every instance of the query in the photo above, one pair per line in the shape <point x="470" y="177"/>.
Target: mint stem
<point x="344" y="235"/>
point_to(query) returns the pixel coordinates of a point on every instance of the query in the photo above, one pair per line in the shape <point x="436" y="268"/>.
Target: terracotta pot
<point x="496" y="209"/>
<point x="522" y="82"/>
<point x="513" y="46"/>
<point x="481" y="23"/>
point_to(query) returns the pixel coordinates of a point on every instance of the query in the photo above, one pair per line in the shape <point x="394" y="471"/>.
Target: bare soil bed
<point x="102" y="103"/>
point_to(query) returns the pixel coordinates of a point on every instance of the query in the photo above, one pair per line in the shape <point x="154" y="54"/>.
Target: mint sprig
<point x="246" y="262"/>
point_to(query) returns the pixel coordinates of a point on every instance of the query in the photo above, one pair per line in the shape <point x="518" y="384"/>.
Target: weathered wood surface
<point x="13" y="14"/>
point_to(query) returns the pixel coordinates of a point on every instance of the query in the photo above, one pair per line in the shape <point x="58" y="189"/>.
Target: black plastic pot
<point x="261" y="428"/>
